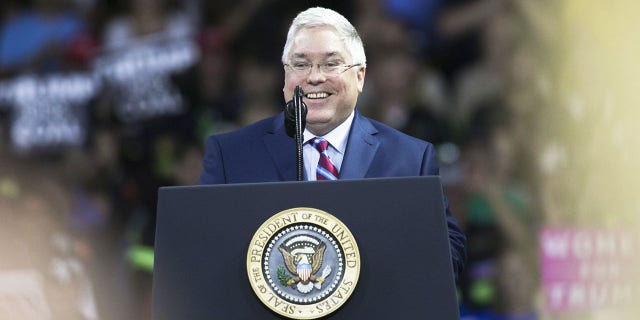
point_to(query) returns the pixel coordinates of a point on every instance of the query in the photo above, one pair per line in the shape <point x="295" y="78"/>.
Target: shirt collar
<point x="337" y="138"/>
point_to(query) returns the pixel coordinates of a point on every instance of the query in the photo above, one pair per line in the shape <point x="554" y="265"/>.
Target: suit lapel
<point x="281" y="149"/>
<point x="361" y="149"/>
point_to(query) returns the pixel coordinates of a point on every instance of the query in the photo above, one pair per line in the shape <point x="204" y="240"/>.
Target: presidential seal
<point x="303" y="263"/>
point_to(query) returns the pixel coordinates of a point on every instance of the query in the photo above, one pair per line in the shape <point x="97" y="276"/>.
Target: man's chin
<point x="319" y="128"/>
<point x="314" y="119"/>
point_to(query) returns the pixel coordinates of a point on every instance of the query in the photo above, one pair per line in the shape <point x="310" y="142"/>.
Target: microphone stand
<point x="295" y="121"/>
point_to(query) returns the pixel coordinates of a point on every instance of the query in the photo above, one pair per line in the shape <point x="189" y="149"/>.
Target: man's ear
<point x="360" y="75"/>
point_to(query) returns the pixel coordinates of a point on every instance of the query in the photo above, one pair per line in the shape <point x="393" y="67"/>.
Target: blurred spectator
<point x="258" y="90"/>
<point x="43" y="270"/>
<point x="147" y="18"/>
<point x="397" y="75"/>
<point x="35" y="37"/>
<point x="188" y="165"/>
<point x="485" y="79"/>
<point x="381" y="32"/>
<point x="420" y="17"/>
<point x="216" y="107"/>
<point x="456" y="42"/>
<point x="501" y="223"/>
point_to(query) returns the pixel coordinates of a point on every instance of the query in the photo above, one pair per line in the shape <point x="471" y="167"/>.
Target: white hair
<point x="322" y="17"/>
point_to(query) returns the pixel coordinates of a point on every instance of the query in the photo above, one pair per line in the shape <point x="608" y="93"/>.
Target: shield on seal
<point x="304" y="271"/>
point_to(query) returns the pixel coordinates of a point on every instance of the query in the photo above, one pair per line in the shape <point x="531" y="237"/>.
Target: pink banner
<point x="589" y="269"/>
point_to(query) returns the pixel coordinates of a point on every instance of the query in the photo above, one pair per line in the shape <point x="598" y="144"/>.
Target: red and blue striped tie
<point x="326" y="170"/>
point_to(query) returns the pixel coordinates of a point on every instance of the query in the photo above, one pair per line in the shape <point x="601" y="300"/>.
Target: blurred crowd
<point x="104" y="101"/>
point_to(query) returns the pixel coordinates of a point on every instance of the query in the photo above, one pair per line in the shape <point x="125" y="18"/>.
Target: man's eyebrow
<point x="299" y="55"/>
<point x="331" y="54"/>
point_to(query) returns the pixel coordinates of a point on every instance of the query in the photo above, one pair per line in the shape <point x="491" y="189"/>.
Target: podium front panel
<point x="203" y="234"/>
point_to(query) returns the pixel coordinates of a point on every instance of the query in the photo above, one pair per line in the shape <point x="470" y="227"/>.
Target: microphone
<point x="295" y="119"/>
<point x="290" y="112"/>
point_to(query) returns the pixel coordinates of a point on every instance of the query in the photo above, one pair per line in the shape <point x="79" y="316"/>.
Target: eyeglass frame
<point x="320" y="68"/>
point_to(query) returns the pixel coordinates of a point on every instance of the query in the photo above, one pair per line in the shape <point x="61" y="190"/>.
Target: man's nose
<point x="316" y="75"/>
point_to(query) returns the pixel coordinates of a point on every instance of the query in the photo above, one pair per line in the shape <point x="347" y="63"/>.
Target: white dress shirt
<point x="337" y="139"/>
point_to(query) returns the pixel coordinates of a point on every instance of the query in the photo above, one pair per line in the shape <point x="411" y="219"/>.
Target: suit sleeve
<point x="213" y="165"/>
<point x="457" y="239"/>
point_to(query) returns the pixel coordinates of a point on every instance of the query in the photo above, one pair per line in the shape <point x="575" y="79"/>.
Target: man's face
<point x="330" y="99"/>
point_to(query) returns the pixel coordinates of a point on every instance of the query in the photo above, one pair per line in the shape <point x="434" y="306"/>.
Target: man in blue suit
<point x="324" y="55"/>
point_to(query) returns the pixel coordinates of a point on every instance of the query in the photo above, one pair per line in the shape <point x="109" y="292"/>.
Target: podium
<point x="203" y="235"/>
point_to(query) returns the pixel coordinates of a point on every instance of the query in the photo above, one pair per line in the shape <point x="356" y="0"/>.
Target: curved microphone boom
<point x="295" y="119"/>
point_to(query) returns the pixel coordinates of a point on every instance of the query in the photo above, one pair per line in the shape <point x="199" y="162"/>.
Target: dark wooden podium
<point x="203" y="233"/>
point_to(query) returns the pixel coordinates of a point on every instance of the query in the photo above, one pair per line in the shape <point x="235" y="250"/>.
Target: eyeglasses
<point x="327" y="68"/>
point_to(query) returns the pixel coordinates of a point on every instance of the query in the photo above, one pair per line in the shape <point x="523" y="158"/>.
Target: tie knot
<point x="320" y="144"/>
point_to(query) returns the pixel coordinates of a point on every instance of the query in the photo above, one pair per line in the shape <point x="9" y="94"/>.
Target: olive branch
<point x="283" y="276"/>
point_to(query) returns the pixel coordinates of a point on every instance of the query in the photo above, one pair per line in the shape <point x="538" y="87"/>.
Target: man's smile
<point x="317" y="95"/>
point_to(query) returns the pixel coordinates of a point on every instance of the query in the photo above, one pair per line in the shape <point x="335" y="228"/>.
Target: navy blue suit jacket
<point x="262" y="152"/>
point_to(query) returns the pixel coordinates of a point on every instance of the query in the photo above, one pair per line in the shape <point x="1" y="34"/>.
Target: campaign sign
<point x="589" y="269"/>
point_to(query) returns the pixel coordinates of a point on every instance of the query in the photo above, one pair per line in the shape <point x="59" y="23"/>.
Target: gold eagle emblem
<point x="304" y="264"/>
